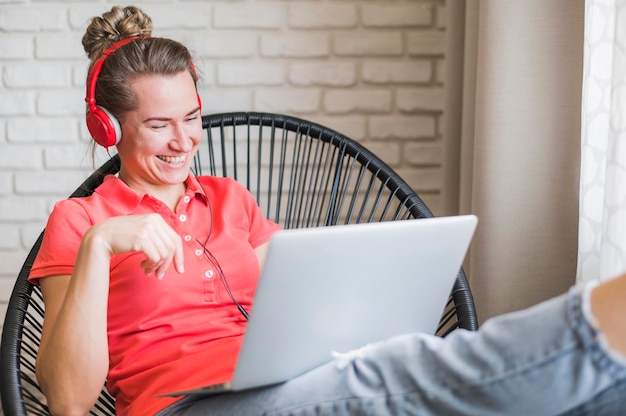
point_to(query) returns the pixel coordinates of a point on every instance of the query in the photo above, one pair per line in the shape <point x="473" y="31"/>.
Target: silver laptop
<point x="335" y="289"/>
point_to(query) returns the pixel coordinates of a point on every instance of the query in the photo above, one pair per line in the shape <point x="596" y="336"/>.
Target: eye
<point x="192" y="118"/>
<point x="158" y="126"/>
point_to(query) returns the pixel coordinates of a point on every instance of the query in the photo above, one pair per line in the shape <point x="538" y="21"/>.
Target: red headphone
<point x="102" y="125"/>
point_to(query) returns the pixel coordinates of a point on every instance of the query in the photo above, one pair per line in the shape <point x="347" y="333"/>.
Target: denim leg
<point x="546" y="360"/>
<point x="610" y="402"/>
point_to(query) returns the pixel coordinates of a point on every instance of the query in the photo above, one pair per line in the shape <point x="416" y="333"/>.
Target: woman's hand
<point x="148" y="234"/>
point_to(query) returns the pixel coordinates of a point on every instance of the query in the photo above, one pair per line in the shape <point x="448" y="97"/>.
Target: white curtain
<point x="602" y="226"/>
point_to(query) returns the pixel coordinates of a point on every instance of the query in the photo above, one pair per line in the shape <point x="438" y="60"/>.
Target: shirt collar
<point x="127" y="200"/>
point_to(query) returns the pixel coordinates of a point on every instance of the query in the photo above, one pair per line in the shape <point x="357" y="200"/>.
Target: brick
<point x="20" y="157"/>
<point x="405" y="128"/>
<point x="79" y="74"/>
<point x="4" y="294"/>
<point x="221" y="101"/>
<point x="9" y="236"/>
<point x="420" y="99"/>
<point x="423" y="154"/>
<point x="440" y="71"/>
<point x="16" y="47"/>
<point x="48" y="183"/>
<point x="37" y="75"/>
<point x="189" y="16"/>
<point x="206" y="74"/>
<point x="69" y="102"/>
<point x="368" y="44"/>
<point x="23" y="209"/>
<point x="11" y="264"/>
<point x="425" y="43"/>
<point x="7" y="283"/>
<point x="352" y="126"/>
<point x="441" y="17"/>
<point x="69" y="158"/>
<point x="397" y="72"/>
<point x="322" y="16"/>
<point x="59" y="45"/>
<point x="334" y="74"/>
<point x="6" y="183"/>
<point x="287" y="101"/>
<point x="357" y="101"/>
<point x="30" y="233"/>
<point x="390" y="153"/>
<point x="80" y="15"/>
<point x="263" y="15"/>
<point x="227" y="44"/>
<point x="17" y="103"/>
<point x="311" y="45"/>
<point x="422" y="180"/>
<point x="257" y="73"/>
<point x="41" y="130"/>
<point x="396" y="15"/>
<point x="31" y="18"/>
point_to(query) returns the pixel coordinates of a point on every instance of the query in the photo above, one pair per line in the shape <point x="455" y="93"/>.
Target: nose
<point x="182" y="140"/>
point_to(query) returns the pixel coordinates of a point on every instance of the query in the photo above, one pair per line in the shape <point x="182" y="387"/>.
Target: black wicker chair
<point x="302" y="175"/>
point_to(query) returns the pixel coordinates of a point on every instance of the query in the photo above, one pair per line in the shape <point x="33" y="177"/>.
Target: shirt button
<point x="187" y="198"/>
<point x="209" y="274"/>
<point x="182" y="218"/>
<point x="187" y="237"/>
<point x="199" y="252"/>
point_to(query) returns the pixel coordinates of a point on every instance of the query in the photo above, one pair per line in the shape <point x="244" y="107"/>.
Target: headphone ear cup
<point x="103" y="127"/>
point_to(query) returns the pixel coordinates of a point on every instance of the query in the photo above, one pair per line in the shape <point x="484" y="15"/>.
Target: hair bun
<point x="117" y="24"/>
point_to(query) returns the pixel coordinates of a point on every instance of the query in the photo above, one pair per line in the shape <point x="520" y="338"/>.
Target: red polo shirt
<point x="182" y="331"/>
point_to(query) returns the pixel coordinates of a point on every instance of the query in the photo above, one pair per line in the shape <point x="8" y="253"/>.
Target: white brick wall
<point x="370" y="69"/>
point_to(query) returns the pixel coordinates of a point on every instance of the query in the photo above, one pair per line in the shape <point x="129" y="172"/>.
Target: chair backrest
<point x="302" y="175"/>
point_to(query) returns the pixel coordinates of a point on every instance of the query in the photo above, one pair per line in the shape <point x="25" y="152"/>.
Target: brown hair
<point x="144" y="56"/>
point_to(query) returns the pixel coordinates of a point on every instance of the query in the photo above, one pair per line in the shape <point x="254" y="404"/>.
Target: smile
<point x="173" y="160"/>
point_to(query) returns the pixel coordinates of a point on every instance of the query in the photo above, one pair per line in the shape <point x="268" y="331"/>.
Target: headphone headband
<point x="97" y="67"/>
<point x="102" y="125"/>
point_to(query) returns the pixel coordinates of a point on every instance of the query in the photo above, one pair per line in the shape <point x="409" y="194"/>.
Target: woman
<point x="152" y="215"/>
<point x="147" y="283"/>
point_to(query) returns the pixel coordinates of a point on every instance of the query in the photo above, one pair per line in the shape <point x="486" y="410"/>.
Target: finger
<point x="177" y="250"/>
<point x="165" y="250"/>
<point x="169" y="245"/>
<point x="147" y="243"/>
<point x="152" y="261"/>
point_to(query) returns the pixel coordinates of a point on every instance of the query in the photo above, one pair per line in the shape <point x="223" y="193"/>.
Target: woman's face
<point x="161" y="137"/>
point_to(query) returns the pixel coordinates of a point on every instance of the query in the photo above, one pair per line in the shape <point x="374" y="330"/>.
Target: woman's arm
<point x="72" y="362"/>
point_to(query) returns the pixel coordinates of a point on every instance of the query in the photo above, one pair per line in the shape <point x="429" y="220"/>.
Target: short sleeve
<point x="64" y="231"/>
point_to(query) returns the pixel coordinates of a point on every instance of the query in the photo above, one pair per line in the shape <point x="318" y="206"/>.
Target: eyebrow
<point x="169" y="118"/>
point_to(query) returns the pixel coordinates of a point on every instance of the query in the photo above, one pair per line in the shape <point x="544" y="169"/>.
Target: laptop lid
<point x="338" y="288"/>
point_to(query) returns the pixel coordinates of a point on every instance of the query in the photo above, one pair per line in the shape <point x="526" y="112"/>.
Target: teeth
<point x="173" y="160"/>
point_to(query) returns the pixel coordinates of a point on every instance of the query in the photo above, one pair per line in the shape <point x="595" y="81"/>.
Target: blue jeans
<point x="546" y="360"/>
